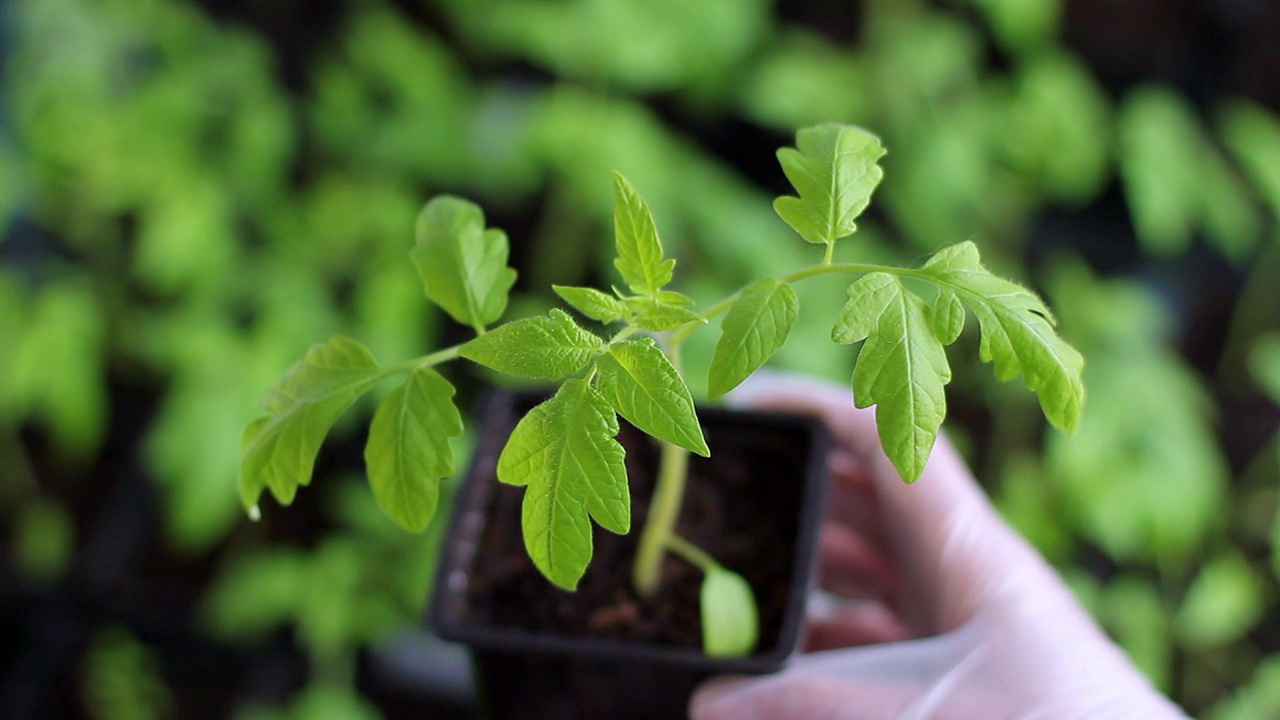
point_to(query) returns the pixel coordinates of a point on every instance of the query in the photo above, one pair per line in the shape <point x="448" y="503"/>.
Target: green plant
<point x="564" y="449"/>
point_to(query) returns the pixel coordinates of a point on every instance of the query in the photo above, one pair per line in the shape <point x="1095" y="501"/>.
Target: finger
<point x="853" y="624"/>
<point x="849" y="566"/>
<point x="958" y="555"/>
<point x="852" y="501"/>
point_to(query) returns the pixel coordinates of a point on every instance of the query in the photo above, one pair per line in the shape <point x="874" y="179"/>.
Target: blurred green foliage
<point x="196" y="199"/>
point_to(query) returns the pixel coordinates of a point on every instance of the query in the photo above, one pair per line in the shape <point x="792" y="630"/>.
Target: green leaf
<point x="753" y="330"/>
<point x="463" y="266"/>
<point x="730" y="622"/>
<point x="1252" y="133"/>
<point x="639" y="250"/>
<point x="1017" y="332"/>
<point x="593" y="303"/>
<point x="548" y="346"/>
<point x="408" y="450"/>
<point x="1161" y="151"/>
<point x="901" y="369"/>
<point x="564" y="451"/>
<point x="833" y="168"/>
<point x="278" y="451"/>
<point x="1224" y="601"/>
<point x="656" y="316"/>
<point x="946" y="316"/>
<point x="644" y="387"/>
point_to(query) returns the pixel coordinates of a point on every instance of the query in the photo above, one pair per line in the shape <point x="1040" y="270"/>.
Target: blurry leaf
<point x="1017" y="332"/>
<point x="752" y="331"/>
<point x="644" y="387"/>
<point x="186" y="238"/>
<point x="640" y="257"/>
<point x="1023" y="25"/>
<point x="593" y="303"/>
<point x="254" y="595"/>
<point x="1026" y="501"/>
<point x="1058" y="125"/>
<point x="901" y="369"/>
<point x="1258" y="698"/>
<point x="730" y="621"/>
<point x="548" y="346"/>
<point x="1137" y="617"/>
<point x="1264" y="362"/>
<point x="791" y="85"/>
<point x="408" y="451"/>
<point x="56" y="371"/>
<point x="279" y="450"/>
<point x="564" y="451"/>
<point x="834" y="171"/>
<point x="326" y="702"/>
<point x="123" y="680"/>
<point x="331" y="619"/>
<point x="1253" y="136"/>
<point x="633" y="44"/>
<point x="1161" y="146"/>
<point x="463" y="266"/>
<point x="1224" y="601"/>
<point x="1141" y="490"/>
<point x="44" y="539"/>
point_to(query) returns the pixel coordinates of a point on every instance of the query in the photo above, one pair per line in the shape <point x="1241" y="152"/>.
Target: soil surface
<point x="742" y="506"/>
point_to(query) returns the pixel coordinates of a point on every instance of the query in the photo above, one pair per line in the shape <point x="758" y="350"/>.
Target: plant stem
<point x="418" y="363"/>
<point x="659" y="526"/>
<point x="831" y="251"/>
<point x="692" y="553"/>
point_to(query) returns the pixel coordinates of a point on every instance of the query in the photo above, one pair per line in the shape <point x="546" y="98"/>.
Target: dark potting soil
<point x="742" y="506"/>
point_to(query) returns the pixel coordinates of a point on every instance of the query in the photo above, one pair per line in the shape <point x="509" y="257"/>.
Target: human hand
<point x="950" y="613"/>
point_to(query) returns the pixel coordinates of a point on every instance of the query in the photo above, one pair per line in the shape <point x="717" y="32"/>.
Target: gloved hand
<point x="947" y="612"/>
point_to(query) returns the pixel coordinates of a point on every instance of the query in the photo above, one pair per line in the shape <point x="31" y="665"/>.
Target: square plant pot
<point x="602" y="652"/>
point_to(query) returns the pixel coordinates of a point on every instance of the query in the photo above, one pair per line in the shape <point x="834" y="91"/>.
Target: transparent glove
<point x="943" y="611"/>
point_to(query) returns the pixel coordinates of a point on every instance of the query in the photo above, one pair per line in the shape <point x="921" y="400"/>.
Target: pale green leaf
<point x="548" y="346"/>
<point x="1224" y="601"/>
<point x="730" y="622"/>
<point x="463" y="266"/>
<point x="1264" y="362"/>
<point x="1017" y="332"/>
<point x="278" y="451"/>
<point x="1259" y="698"/>
<point x="593" y="303"/>
<point x="564" y="451"/>
<point x="946" y="316"/>
<point x="408" y="451"/>
<point x="671" y="297"/>
<point x="656" y="316"/>
<point x="1252" y="133"/>
<point x="901" y="369"/>
<point x="753" y="330"/>
<point x="1161" y="146"/>
<point x="833" y="168"/>
<point x="644" y="387"/>
<point x="639" y="251"/>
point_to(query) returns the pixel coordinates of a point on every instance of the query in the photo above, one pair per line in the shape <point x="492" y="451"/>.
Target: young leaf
<point x="730" y="622"/>
<point x="756" y="326"/>
<point x="593" y="303"/>
<point x="902" y="368"/>
<point x="946" y="316"/>
<point x="656" y="316"/>
<point x="833" y="168"/>
<point x="463" y="266"/>
<point x="408" y="450"/>
<point x="642" y="385"/>
<point x="639" y="250"/>
<point x="278" y="451"/>
<point x="564" y="451"/>
<point x="548" y="346"/>
<point x="1017" y="332"/>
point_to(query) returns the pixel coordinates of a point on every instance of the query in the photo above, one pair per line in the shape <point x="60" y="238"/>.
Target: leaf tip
<point x="254" y="512"/>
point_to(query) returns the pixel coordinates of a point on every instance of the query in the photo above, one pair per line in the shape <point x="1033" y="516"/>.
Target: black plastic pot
<point x="755" y="506"/>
